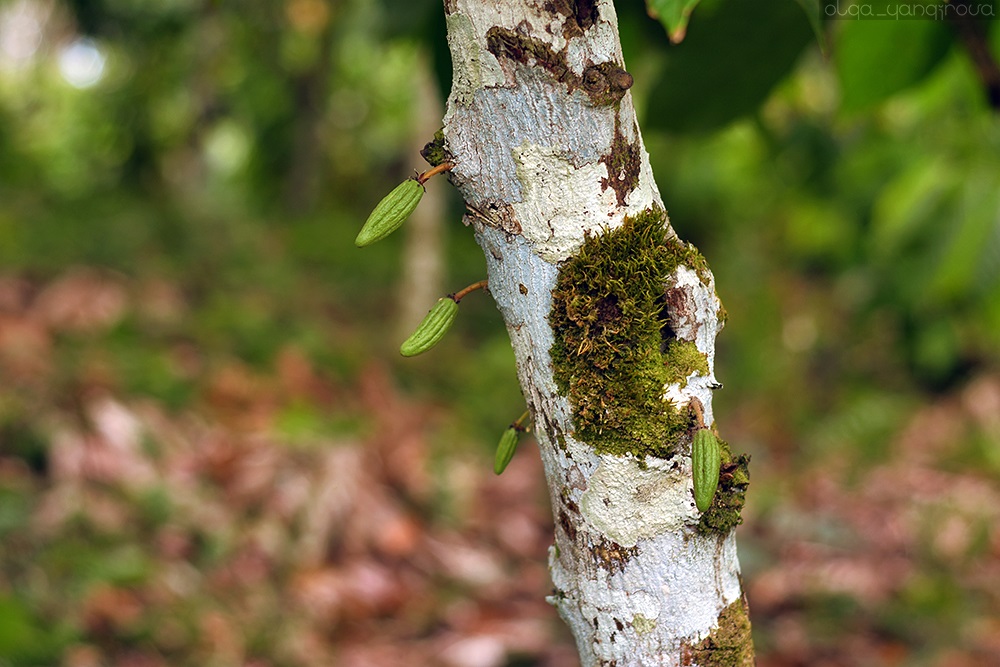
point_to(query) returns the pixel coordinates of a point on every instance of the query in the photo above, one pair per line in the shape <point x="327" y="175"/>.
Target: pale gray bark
<point x="634" y="579"/>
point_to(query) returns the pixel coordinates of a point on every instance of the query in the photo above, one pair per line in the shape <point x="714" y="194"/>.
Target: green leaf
<point x="728" y="66"/>
<point x="876" y="59"/>
<point x="812" y="10"/>
<point x="673" y="14"/>
<point x="908" y="207"/>
<point x="935" y="230"/>
<point x="965" y="261"/>
<point x="909" y="217"/>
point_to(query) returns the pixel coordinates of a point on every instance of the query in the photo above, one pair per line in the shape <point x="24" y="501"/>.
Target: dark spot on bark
<point x="594" y="81"/>
<point x="586" y="13"/>
<point x="499" y="215"/>
<point x="623" y="163"/>
<point x="620" y="79"/>
<point x="608" y="83"/>
<point x="604" y="83"/>
<point x="566" y="523"/>
<point x="522" y="289"/>
<point x="612" y="556"/>
<point x="580" y="15"/>
<point x="505" y="43"/>
<point x="619" y="625"/>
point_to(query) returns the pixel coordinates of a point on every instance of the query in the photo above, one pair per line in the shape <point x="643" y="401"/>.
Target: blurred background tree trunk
<point x="421" y="279"/>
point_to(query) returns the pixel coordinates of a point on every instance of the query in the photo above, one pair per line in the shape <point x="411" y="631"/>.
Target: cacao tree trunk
<point x="613" y="323"/>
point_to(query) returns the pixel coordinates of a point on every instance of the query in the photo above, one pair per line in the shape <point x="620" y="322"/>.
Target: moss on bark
<point x="729" y="644"/>
<point x="614" y="352"/>
<point x="726" y="510"/>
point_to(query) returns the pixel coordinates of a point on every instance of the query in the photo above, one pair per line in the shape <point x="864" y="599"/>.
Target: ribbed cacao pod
<point x="706" y="460"/>
<point x="432" y="329"/>
<point x="391" y="212"/>
<point x="505" y="450"/>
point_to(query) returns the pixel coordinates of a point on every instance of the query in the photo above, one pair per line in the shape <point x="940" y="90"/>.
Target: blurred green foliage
<point x="849" y="204"/>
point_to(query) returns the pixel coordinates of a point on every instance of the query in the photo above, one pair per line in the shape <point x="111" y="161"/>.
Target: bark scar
<point x="604" y="83"/>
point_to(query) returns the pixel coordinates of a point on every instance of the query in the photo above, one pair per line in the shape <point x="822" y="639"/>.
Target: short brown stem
<point x="699" y="411"/>
<point x="457" y="296"/>
<point x="443" y="167"/>
<point x="516" y="425"/>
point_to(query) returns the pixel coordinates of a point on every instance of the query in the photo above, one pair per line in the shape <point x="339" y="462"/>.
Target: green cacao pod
<point x="505" y="450"/>
<point x="391" y="212"/>
<point x="433" y="328"/>
<point x="706" y="460"/>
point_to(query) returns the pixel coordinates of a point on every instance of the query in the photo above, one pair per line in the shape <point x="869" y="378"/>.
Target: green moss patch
<point x="727" y="506"/>
<point x="682" y="358"/>
<point x="728" y="645"/>
<point x="614" y="351"/>
<point x="434" y="152"/>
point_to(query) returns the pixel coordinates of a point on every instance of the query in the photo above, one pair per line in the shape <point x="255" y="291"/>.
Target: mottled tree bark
<point x="613" y="323"/>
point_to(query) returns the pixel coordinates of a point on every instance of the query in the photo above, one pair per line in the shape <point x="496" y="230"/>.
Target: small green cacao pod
<point x="433" y="328"/>
<point x="391" y="212"/>
<point x="706" y="459"/>
<point x="505" y="450"/>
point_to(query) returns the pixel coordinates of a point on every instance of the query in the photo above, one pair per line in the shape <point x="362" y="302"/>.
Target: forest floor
<point x="160" y="506"/>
